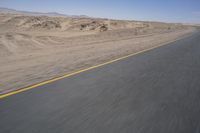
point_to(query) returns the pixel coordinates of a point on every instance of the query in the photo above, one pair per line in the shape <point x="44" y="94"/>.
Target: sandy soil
<point x="34" y="49"/>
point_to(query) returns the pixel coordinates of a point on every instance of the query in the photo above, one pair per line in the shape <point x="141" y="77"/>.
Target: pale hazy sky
<point x="154" y="10"/>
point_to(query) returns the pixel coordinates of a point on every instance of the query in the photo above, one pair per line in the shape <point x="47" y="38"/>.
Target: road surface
<point x="157" y="91"/>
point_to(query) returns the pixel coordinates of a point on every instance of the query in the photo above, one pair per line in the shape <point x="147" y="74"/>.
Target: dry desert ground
<point x="38" y="48"/>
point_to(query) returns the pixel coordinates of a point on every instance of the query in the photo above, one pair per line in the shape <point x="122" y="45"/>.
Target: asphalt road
<point x="154" y="92"/>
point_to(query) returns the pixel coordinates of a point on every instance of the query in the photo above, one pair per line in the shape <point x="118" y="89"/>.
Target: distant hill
<point x="50" y="14"/>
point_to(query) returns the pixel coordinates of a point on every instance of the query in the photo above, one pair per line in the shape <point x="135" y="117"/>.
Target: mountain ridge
<point x="32" y="13"/>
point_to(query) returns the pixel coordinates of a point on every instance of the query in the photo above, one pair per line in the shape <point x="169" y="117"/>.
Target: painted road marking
<point x="77" y="72"/>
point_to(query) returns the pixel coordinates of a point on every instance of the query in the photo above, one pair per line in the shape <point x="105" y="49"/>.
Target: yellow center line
<point x="77" y="72"/>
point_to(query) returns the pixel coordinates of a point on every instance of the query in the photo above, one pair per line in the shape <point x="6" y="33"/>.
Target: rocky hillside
<point x="21" y="22"/>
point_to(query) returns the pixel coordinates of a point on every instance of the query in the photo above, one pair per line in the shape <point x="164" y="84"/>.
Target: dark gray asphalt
<point x="154" y="92"/>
